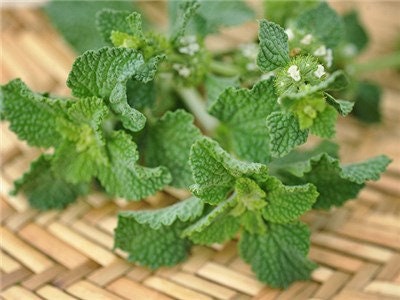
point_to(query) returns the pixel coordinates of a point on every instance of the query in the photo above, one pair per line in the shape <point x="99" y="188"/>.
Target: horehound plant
<point x="152" y="111"/>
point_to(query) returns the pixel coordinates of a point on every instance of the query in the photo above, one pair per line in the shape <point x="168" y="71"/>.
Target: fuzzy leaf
<point x="288" y="203"/>
<point x="210" y="16"/>
<point x="215" y="85"/>
<point x="326" y="174"/>
<point x="367" y="105"/>
<point x="244" y="112"/>
<point x="324" y="125"/>
<point x="323" y="23"/>
<point x="186" y="211"/>
<point x="83" y="146"/>
<point x="123" y="177"/>
<point x="215" y="227"/>
<point x="274" y="47"/>
<point x="110" y="69"/>
<point x="278" y="257"/>
<point x="355" y="32"/>
<point x="215" y="171"/>
<point x="32" y="117"/>
<point x="284" y="133"/>
<point x="168" y="144"/>
<point x="370" y="169"/>
<point x="75" y="20"/>
<point x="151" y="247"/>
<point x="109" y="20"/>
<point x="46" y="189"/>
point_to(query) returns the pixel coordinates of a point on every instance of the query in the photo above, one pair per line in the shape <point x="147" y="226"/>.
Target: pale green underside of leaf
<point x="151" y="247"/>
<point x="274" y="47"/>
<point x="215" y="227"/>
<point x="244" y="112"/>
<point x="278" y="257"/>
<point x="104" y="73"/>
<point x="168" y="144"/>
<point x="343" y="107"/>
<point x="123" y="177"/>
<point x="285" y="133"/>
<point x="185" y="211"/>
<point x="46" y="189"/>
<point x="214" y="170"/>
<point x="32" y="117"/>
<point x="288" y="203"/>
<point x="370" y="169"/>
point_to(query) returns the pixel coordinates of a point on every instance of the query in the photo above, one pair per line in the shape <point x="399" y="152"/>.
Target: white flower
<point x="321" y="51"/>
<point x="306" y="40"/>
<point x="190" y="49"/>
<point x="329" y="58"/>
<point x="289" y="33"/>
<point x="320" y="71"/>
<point x="184" y="72"/>
<point x="189" y="39"/>
<point x="294" y="72"/>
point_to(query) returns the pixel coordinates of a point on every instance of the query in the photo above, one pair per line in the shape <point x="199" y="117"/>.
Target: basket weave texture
<point x="67" y="254"/>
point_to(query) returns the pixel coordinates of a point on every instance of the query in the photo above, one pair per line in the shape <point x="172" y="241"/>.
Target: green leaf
<point x="288" y="203"/>
<point x="335" y="81"/>
<point x="215" y="171"/>
<point x="123" y="177"/>
<point x="278" y="257"/>
<point x="183" y="12"/>
<point x="83" y="147"/>
<point x="215" y="227"/>
<point x="215" y="85"/>
<point x="324" y="124"/>
<point x="168" y="144"/>
<point x="281" y="12"/>
<point x="112" y="67"/>
<point x="32" y="117"/>
<point x="109" y="20"/>
<point x="151" y="247"/>
<point x="244" y="112"/>
<point x="370" y="169"/>
<point x="141" y="95"/>
<point x="186" y="211"/>
<point x="45" y="189"/>
<point x="274" y="47"/>
<point x="75" y="20"/>
<point x="367" y="105"/>
<point x="284" y="133"/>
<point x="334" y="189"/>
<point x="343" y="107"/>
<point x="211" y="16"/>
<point x="356" y="35"/>
<point x="323" y="23"/>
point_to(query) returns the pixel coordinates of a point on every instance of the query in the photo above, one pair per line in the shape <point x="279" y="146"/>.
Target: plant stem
<point x="389" y="61"/>
<point x="224" y="69"/>
<point x="196" y="104"/>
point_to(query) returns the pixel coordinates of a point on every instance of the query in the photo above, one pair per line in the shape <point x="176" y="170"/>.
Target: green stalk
<point x="224" y="69"/>
<point x="196" y="104"/>
<point x="390" y="61"/>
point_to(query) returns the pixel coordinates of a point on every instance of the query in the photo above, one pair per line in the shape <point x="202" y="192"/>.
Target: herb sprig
<point x="129" y="129"/>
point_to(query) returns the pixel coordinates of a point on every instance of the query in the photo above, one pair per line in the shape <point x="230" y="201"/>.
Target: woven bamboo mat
<point x="67" y="255"/>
